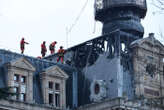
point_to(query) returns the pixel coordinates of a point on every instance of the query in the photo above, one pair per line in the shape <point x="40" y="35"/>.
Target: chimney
<point x="151" y="34"/>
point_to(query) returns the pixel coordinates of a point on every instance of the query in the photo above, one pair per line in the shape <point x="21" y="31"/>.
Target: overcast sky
<point x="39" y="20"/>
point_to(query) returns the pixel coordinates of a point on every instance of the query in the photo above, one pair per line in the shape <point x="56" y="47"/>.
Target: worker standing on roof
<point x="61" y="53"/>
<point x="22" y="45"/>
<point x="43" y="49"/>
<point x="52" y="47"/>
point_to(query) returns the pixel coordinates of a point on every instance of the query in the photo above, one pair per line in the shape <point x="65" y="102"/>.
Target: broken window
<point x="16" y="77"/>
<point x="50" y="98"/>
<point x="105" y="46"/>
<point x="97" y="88"/>
<point x="50" y="85"/>
<point x="57" y="100"/>
<point x="123" y="47"/>
<point x="112" y="50"/>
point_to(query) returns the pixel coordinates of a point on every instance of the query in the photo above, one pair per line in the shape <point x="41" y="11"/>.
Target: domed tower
<point x="125" y="15"/>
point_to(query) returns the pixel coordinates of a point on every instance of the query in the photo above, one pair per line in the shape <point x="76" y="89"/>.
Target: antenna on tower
<point x="94" y="27"/>
<point x="68" y="30"/>
<point x="66" y="37"/>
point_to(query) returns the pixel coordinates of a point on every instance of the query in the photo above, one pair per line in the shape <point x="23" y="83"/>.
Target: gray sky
<point x="39" y="20"/>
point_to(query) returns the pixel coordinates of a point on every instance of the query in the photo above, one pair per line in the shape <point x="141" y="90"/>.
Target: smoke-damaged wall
<point x="103" y="58"/>
<point x="108" y="58"/>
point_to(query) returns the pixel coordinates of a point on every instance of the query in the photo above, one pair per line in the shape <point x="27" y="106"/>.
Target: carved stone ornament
<point x="98" y="4"/>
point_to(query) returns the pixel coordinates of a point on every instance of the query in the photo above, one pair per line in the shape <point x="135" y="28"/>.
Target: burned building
<point x="119" y="70"/>
<point x="119" y="64"/>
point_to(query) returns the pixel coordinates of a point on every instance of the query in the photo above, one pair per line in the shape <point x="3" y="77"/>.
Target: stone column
<point x="29" y="87"/>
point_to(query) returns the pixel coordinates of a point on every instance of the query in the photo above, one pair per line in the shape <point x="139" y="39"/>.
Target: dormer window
<point x="53" y="87"/>
<point x="50" y="97"/>
<point x="50" y="85"/>
<point x="57" y="99"/>
<point x="54" y="93"/>
<point x="20" y="76"/>
<point x="16" y="77"/>
<point x="23" y="79"/>
<point x="57" y="86"/>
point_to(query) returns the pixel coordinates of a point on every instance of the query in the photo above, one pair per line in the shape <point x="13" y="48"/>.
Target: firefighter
<point x="61" y="53"/>
<point x="22" y="45"/>
<point x="43" y="49"/>
<point x="52" y="47"/>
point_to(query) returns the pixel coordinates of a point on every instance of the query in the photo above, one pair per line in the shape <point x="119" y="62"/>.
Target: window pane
<point x="16" y="84"/>
<point x="16" y="77"/>
<point x="57" y="86"/>
<point x="23" y="79"/>
<point x="57" y="100"/>
<point x="16" y="89"/>
<point x="22" y="97"/>
<point x="16" y="97"/>
<point x="23" y="89"/>
<point x="50" y="84"/>
<point x="50" y="97"/>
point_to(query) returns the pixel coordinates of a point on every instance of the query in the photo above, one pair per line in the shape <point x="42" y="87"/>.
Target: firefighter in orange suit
<point x="22" y="45"/>
<point x="61" y="53"/>
<point x="52" y="47"/>
<point x="43" y="49"/>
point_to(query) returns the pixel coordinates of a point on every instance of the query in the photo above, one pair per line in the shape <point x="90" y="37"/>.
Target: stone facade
<point x="55" y="78"/>
<point x="120" y="104"/>
<point x="148" y="55"/>
<point x="19" y="76"/>
<point x="147" y="58"/>
<point x="17" y="105"/>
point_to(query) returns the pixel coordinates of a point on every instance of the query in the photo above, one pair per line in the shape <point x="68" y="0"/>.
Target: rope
<point x="66" y="37"/>
<point x="94" y="27"/>
<point x="78" y="17"/>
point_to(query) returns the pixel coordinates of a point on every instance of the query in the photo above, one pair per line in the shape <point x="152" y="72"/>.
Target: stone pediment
<point x="56" y="72"/>
<point x="151" y="40"/>
<point x="22" y="63"/>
